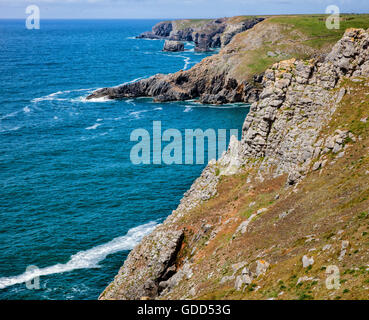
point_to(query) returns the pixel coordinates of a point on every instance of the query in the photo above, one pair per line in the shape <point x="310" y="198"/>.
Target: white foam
<point x="26" y="109"/>
<point x="10" y="129"/>
<point x="148" y="39"/>
<point x="159" y="108"/>
<point x="100" y="99"/>
<point x="93" y="127"/>
<point x="9" y="115"/>
<point x="54" y="96"/>
<point x="188" y="109"/>
<point x="187" y="63"/>
<point x="130" y="101"/>
<point x="86" y="259"/>
<point x="136" y="114"/>
<point x="186" y="60"/>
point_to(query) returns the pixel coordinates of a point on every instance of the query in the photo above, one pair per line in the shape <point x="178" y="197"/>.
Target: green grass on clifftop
<point x="283" y="37"/>
<point x="314" y="27"/>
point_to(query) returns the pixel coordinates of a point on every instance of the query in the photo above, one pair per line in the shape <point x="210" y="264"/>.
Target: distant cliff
<point x="205" y="33"/>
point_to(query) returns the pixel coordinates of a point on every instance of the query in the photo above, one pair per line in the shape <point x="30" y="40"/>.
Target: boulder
<point x="306" y="261"/>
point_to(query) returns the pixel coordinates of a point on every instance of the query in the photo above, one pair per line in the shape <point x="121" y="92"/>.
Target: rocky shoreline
<point x="284" y="137"/>
<point x="205" y="82"/>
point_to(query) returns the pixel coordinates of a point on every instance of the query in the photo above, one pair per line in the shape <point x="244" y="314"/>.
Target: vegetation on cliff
<point x="284" y="213"/>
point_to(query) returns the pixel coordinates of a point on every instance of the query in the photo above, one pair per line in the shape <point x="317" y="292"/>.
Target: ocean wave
<point x="10" y="129"/>
<point x="55" y="95"/>
<point x="187" y="109"/>
<point x="137" y="114"/>
<point x="93" y="127"/>
<point x="187" y="63"/>
<point x="84" y="99"/>
<point x="86" y="259"/>
<point x="9" y="115"/>
<point x="148" y="39"/>
<point x="186" y="60"/>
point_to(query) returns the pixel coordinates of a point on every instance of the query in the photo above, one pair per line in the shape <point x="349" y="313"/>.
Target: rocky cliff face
<point x="159" y="31"/>
<point x="206" y="34"/>
<point x="202" y="82"/>
<point x="286" y="138"/>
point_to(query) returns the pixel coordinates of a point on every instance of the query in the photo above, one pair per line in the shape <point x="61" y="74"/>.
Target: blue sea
<point x="71" y="202"/>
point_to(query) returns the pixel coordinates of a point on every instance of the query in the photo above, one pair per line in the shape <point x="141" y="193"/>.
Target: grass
<point x="314" y="26"/>
<point x="190" y="23"/>
<point x="298" y="36"/>
<point x="330" y="204"/>
<point x="195" y="23"/>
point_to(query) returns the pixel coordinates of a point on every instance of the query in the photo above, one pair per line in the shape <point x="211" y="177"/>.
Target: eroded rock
<point x="173" y="46"/>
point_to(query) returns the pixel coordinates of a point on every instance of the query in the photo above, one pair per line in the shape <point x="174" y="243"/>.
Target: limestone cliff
<point x="284" y="204"/>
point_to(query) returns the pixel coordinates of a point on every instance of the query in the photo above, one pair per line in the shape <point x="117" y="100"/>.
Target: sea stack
<point x="173" y="46"/>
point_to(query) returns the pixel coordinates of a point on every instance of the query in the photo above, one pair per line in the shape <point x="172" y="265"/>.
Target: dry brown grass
<point x="330" y="205"/>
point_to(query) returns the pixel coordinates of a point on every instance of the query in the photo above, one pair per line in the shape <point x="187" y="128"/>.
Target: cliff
<point x="234" y="74"/>
<point x="205" y="33"/>
<point x="286" y="207"/>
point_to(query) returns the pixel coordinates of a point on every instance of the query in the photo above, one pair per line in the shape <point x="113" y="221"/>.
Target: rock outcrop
<point x="173" y="46"/>
<point x="159" y="31"/>
<point x="142" y="274"/>
<point x="297" y="101"/>
<point x="200" y="82"/>
<point x="282" y="136"/>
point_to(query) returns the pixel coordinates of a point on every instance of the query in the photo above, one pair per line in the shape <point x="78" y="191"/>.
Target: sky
<point x="173" y="9"/>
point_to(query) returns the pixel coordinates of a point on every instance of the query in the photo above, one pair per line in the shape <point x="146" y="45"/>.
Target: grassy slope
<point x="329" y="206"/>
<point x="195" y="23"/>
<point x="298" y="36"/>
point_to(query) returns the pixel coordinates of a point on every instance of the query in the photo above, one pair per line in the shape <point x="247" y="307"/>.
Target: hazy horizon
<point x="172" y="9"/>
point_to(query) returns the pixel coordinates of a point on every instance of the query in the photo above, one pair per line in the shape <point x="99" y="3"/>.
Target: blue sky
<point x="160" y="9"/>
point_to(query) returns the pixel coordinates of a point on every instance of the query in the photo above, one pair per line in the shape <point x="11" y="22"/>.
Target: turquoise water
<point x="71" y="202"/>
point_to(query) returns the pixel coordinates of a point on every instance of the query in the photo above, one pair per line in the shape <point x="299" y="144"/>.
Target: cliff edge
<point x="286" y="207"/>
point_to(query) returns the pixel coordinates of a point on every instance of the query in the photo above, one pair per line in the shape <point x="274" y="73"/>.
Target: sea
<point x="72" y="203"/>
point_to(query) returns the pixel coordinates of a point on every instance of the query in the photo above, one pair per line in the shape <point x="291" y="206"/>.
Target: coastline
<point x="163" y="265"/>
